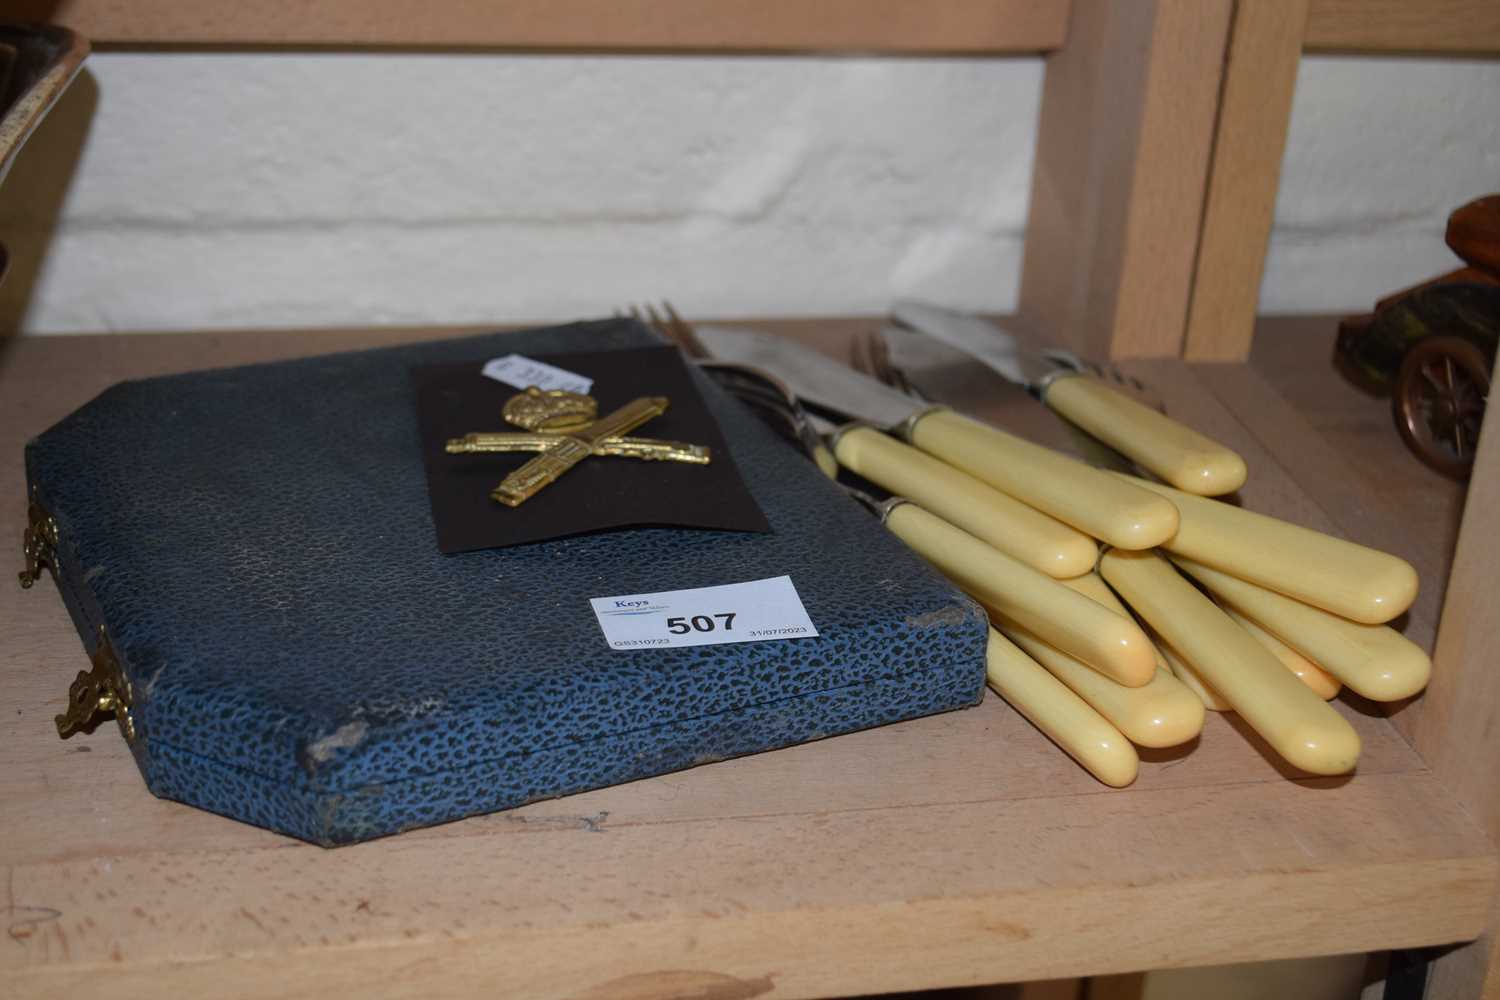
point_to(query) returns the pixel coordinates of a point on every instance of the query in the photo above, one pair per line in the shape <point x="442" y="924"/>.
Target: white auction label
<point x="520" y="371"/>
<point x="758" y="611"/>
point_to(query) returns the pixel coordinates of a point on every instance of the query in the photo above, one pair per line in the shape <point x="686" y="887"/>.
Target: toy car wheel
<point x="1439" y="401"/>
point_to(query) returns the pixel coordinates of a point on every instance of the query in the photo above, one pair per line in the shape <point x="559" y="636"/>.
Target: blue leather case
<point x="257" y="544"/>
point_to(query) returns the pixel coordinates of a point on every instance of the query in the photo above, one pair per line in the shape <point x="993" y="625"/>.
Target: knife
<point x="1172" y="451"/>
<point x="1112" y="644"/>
<point x="1299" y="725"/>
<point x="1340" y="576"/>
<point x="1323" y="684"/>
<point x="1350" y="580"/>
<point x="1162" y="713"/>
<point x="1037" y="540"/>
<point x="1091" y="501"/>
<point x="1060" y="714"/>
<point x="1372" y="660"/>
<point x="1052" y="707"/>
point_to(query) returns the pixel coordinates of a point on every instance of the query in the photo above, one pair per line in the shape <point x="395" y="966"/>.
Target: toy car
<point x="1432" y="347"/>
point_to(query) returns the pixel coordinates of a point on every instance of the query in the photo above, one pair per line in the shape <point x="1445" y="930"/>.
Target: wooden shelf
<point x="958" y="26"/>
<point x="957" y="849"/>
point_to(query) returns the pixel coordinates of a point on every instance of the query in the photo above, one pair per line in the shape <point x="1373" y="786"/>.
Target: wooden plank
<point x="1117" y="191"/>
<point x="973" y="26"/>
<point x="1265" y="49"/>
<point x="1459" y="729"/>
<point x="948" y="851"/>
<point x="826" y="903"/>
<point x="1459" y="26"/>
<point x="1471" y="972"/>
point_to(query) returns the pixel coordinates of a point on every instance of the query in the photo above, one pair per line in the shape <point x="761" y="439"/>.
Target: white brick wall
<point x="234" y="190"/>
<point x="1380" y="151"/>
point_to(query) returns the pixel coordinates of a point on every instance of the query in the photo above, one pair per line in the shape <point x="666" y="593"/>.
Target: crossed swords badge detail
<point x="562" y="426"/>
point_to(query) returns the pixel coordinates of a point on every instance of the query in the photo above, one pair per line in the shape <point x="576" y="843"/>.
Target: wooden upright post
<point x="1265" y="49"/>
<point x="1127" y="121"/>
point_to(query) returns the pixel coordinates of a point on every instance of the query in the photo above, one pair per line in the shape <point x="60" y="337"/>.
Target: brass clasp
<point x="101" y="691"/>
<point x="38" y="543"/>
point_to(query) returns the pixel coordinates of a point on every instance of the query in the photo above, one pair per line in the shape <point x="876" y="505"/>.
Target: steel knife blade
<point x="1176" y="453"/>
<point x="1085" y="498"/>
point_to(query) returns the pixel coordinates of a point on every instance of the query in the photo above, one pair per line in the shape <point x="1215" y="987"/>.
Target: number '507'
<point x="701" y="623"/>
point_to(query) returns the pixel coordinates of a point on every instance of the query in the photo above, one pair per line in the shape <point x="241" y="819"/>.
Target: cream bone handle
<point x="1174" y="707"/>
<point x="1350" y="580"/>
<point x="1373" y="660"/>
<point x="1299" y="725"/>
<point x="1074" y="493"/>
<point x="1163" y="713"/>
<point x="1154" y="441"/>
<point x="1322" y="683"/>
<point x="1022" y="532"/>
<point x="1192" y="680"/>
<point x="1059" y="713"/>
<point x="1113" y="645"/>
<point x="1093" y="585"/>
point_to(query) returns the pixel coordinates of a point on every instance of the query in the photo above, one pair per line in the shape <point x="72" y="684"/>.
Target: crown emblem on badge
<point x="556" y="411"/>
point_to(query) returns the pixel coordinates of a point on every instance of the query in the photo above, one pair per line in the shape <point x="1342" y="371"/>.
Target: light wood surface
<point x="1457" y="26"/>
<point x="1121" y="166"/>
<point x="722" y="25"/>
<point x="1260" y="74"/>
<point x="958" y="849"/>
<point x="1459" y="730"/>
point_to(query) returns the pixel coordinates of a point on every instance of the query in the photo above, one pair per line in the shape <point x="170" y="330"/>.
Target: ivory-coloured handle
<point x="1074" y="493"/>
<point x="1350" y="580"/>
<point x="1192" y="680"/>
<point x="1039" y="541"/>
<point x="1038" y="603"/>
<point x="1323" y="684"/>
<point x="1373" y="660"/>
<point x="1163" y="713"/>
<point x="1175" y="452"/>
<point x="1092" y="586"/>
<point x="1299" y="725"/>
<point x="1059" y="713"/>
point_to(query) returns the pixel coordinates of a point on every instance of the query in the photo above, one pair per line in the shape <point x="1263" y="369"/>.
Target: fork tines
<point x="671" y="326"/>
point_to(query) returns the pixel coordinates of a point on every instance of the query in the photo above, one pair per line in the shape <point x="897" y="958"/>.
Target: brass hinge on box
<point x="38" y="543"/>
<point x="104" y="690"/>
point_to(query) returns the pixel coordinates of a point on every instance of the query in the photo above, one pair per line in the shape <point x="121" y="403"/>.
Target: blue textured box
<point x="257" y="544"/>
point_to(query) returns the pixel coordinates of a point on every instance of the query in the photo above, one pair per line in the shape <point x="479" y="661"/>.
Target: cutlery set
<point x="1124" y="599"/>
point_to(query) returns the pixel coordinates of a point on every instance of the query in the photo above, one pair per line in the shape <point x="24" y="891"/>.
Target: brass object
<point x="38" y="543"/>
<point x="556" y="411"/>
<point x="535" y="475"/>
<point x="563" y="428"/>
<point x="647" y="449"/>
<point x="103" y="690"/>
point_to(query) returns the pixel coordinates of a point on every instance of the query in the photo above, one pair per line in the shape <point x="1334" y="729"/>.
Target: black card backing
<point x="601" y="492"/>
